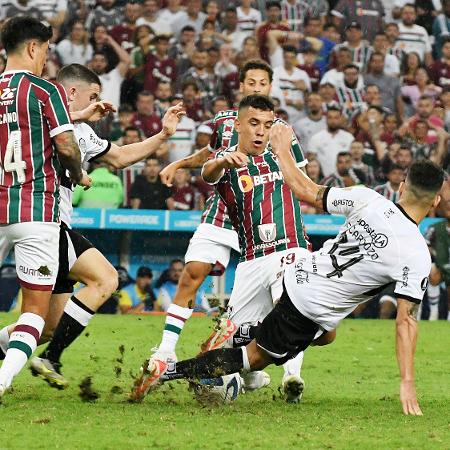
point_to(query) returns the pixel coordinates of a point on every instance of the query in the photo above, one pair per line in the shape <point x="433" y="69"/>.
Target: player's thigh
<point x="36" y="250"/>
<point x="250" y="300"/>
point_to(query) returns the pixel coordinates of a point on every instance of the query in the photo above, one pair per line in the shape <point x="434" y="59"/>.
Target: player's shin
<point x="211" y="364"/>
<point x="74" y="320"/>
<point x="22" y="343"/>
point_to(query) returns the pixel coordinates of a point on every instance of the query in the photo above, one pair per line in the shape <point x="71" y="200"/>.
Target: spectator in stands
<point x="423" y="86"/>
<point x="123" y="33"/>
<point x="99" y="42"/>
<point x="183" y="196"/>
<point x="309" y="55"/>
<point x="145" y="117"/>
<point x="76" y="48"/>
<point x="367" y="13"/>
<point x="250" y="49"/>
<point x="147" y="191"/>
<point x="411" y="64"/>
<point x="441" y="27"/>
<point x="163" y="97"/>
<point x="404" y="157"/>
<point x="126" y="113"/>
<point x="391" y="30"/>
<point x="293" y="83"/>
<point x="349" y="96"/>
<point x="445" y="103"/>
<point x="412" y="37"/>
<point x="391" y="62"/>
<point x="336" y="76"/>
<point x="389" y="87"/>
<point x="438" y="240"/>
<point x="327" y="92"/>
<point x="105" y="14"/>
<point x="53" y="12"/>
<point x="440" y="69"/>
<point x="106" y="190"/>
<point x="138" y="297"/>
<point x="344" y="175"/>
<point x="22" y="8"/>
<point x="167" y="285"/>
<point x="224" y="65"/>
<point x="150" y="18"/>
<point x="172" y="13"/>
<point x="111" y="80"/>
<point x="193" y="16"/>
<point x="314" y="121"/>
<point x="183" y="50"/>
<point x="159" y="66"/>
<point x="390" y="189"/>
<point x="364" y="171"/>
<point x="231" y="30"/>
<point x="248" y="18"/>
<point x="390" y="127"/>
<point x="273" y="13"/>
<point x="192" y="101"/>
<point x="328" y="143"/>
<point x="132" y="135"/>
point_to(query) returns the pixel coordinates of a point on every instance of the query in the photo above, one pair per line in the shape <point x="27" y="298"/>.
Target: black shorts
<point x="285" y="331"/>
<point x="71" y="246"/>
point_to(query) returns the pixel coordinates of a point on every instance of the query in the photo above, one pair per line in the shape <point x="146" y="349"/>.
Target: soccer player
<point x="380" y="243"/>
<point x="79" y="260"/>
<point x="36" y="134"/>
<point x="266" y="216"/>
<point x="210" y="247"/>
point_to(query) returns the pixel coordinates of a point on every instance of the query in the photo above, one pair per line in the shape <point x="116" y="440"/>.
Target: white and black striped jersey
<point x="378" y="244"/>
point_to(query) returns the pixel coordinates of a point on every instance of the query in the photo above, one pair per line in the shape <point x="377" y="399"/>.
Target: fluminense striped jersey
<point x="350" y="100"/>
<point x="261" y="206"/>
<point x="224" y="136"/>
<point x="387" y="192"/>
<point x="32" y="111"/>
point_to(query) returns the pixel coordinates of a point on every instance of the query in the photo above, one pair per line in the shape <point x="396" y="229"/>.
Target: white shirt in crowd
<point x="306" y="128"/>
<point x="111" y="83"/>
<point x="378" y="245"/>
<point x="70" y="53"/>
<point x="49" y="8"/>
<point x="285" y="82"/>
<point x="159" y="26"/>
<point x="169" y="17"/>
<point x="248" y="22"/>
<point x="181" y="142"/>
<point x="336" y="78"/>
<point x="413" y="39"/>
<point x="327" y="146"/>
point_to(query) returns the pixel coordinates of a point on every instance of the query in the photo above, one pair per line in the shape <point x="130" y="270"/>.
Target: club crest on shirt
<point x="267" y="232"/>
<point x="245" y="183"/>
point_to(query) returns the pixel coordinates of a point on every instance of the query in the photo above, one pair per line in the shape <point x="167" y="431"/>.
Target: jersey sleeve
<point x="56" y="110"/>
<point x="95" y="146"/>
<point x="297" y="152"/>
<point x="411" y="277"/>
<point x="214" y="141"/>
<point x="218" y="155"/>
<point x="342" y="201"/>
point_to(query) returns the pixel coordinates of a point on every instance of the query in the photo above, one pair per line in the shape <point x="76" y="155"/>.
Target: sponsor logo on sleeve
<point x="406" y="270"/>
<point x="343" y="202"/>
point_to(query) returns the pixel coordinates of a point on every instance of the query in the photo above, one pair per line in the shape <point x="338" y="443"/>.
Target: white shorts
<point x="258" y="283"/>
<point x="212" y="245"/>
<point x="36" y="251"/>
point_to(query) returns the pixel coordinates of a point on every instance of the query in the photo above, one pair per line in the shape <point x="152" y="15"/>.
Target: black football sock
<point x="244" y="335"/>
<point x="211" y="364"/>
<point x="74" y="320"/>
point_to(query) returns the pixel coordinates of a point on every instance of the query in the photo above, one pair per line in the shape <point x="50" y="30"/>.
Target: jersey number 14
<point x="13" y="157"/>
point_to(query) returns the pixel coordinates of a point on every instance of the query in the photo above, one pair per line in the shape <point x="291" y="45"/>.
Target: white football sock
<point x="175" y="320"/>
<point x="4" y="339"/>
<point x="293" y="366"/>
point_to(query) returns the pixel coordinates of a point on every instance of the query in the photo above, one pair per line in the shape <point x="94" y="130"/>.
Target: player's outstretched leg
<point x="101" y="280"/>
<point x="292" y="383"/>
<point x="193" y="275"/>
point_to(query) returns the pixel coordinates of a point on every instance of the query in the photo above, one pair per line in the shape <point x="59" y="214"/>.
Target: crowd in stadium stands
<point x="365" y="84"/>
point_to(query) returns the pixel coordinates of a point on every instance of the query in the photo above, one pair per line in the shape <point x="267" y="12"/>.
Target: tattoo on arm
<point x="320" y="193"/>
<point x="413" y="311"/>
<point x="69" y="155"/>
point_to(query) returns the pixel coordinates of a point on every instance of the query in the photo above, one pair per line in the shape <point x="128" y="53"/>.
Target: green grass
<point x="350" y="400"/>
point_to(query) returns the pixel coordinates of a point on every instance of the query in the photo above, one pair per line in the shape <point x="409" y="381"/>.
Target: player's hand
<point x="95" y="111"/>
<point x="281" y="138"/>
<point x="234" y="160"/>
<point x="408" y="398"/>
<point x="168" y="173"/>
<point x="171" y="119"/>
<point x="86" y="181"/>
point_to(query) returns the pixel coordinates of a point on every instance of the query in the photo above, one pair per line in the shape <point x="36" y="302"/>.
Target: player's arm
<point x="127" y="155"/>
<point x="214" y="169"/>
<point x="193" y="161"/>
<point x="406" y="338"/>
<point x="301" y="185"/>
<point x="69" y="155"/>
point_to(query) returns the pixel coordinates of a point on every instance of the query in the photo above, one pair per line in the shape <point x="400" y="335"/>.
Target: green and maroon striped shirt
<point x="261" y="206"/>
<point x="32" y="111"/>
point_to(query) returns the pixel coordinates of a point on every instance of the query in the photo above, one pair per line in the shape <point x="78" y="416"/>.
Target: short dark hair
<point x="145" y="94"/>
<point x="231" y="9"/>
<point x="290" y="49"/>
<point x="188" y="28"/>
<point x="18" y="30"/>
<point x="395" y="166"/>
<point x="126" y="107"/>
<point x="310" y="18"/>
<point x="445" y="40"/>
<point x="351" y="66"/>
<point x="77" y="72"/>
<point x="426" y="176"/>
<point x="220" y="98"/>
<point x="190" y="82"/>
<point x="425" y="97"/>
<point x="344" y="50"/>
<point x="131" y="128"/>
<point x="334" y="107"/>
<point x="273" y="4"/>
<point x="343" y="154"/>
<point x="255" y="64"/>
<point x="257" y="101"/>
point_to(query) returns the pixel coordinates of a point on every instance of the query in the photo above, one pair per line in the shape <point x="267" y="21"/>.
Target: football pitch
<point x="350" y="401"/>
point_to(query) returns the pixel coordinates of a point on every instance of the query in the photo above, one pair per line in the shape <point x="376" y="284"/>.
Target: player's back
<point x="378" y="245"/>
<point x="32" y="110"/>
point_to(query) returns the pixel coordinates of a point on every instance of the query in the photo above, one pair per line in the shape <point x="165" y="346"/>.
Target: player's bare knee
<point x="105" y="284"/>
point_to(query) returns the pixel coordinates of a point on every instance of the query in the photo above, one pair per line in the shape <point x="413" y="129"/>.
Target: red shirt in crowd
<point x="124" y="35"/>
<point x="156" y="70"/>
<point x="230" y="86"/>
<point x="150" y="125"/>
<point x="262" y="37"/>
<point x="440" y="73"/>
<point x="313" y="73"/>
<point x="184" y="197"/>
